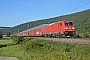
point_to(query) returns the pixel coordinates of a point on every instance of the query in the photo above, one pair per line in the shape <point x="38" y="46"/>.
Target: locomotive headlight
<point x="66" y="28"/>
<point x="73" y="28"/>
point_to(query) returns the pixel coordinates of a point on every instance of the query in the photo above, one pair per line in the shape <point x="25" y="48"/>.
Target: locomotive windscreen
<point x="68" y="23"/>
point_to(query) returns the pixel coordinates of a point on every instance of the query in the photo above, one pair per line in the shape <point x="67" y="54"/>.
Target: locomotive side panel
<point x="55" y="28"/>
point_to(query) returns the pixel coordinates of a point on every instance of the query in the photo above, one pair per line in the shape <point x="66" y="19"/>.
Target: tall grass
<point x="36" y="49"/>
<point x="5" y="40"/>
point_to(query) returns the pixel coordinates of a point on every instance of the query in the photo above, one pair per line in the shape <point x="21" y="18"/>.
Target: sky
<point x="15" y="12"/>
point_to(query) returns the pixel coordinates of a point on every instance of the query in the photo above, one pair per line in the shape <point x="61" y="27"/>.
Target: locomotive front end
<point x="69" y="28"/>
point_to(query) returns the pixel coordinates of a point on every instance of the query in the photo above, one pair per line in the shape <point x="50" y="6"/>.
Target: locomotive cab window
<point x="60" y="24"/>
<point x="68" y="23"/>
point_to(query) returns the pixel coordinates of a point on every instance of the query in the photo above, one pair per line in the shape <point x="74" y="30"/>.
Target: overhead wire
<point x="77" y="7"/>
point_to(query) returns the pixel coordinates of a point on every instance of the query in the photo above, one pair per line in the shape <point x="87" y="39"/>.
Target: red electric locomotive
<point x="62" y="28"/>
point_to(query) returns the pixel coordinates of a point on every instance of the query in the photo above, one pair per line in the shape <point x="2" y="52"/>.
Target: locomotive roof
<point x="52" y="23"/>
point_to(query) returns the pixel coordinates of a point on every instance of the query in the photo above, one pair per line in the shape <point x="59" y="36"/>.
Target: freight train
<point x="62" y="28"/>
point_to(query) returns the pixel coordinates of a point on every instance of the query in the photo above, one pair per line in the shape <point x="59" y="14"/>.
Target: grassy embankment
<point x="36" y="49"/>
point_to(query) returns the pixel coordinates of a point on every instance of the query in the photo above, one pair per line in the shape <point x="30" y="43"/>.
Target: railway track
<point x="84" y="41"/>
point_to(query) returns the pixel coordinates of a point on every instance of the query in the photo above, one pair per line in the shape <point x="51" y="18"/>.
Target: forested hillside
<point x="81" y="21"/>
<point x="4" y="27"/>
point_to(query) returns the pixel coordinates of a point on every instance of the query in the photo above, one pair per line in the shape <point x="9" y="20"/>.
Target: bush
<point x="26" y="39"/>
<point x="86" y="35"/>
<point x="77" y="36"/>
<point x="17" y="39"/>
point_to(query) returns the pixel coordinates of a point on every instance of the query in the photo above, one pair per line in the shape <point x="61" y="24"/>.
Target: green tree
<point x="8" y="34"/>
<point x="1" y="35"/>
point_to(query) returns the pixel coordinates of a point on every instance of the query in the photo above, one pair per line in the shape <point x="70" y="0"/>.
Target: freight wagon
<point x="62" y="28"/>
